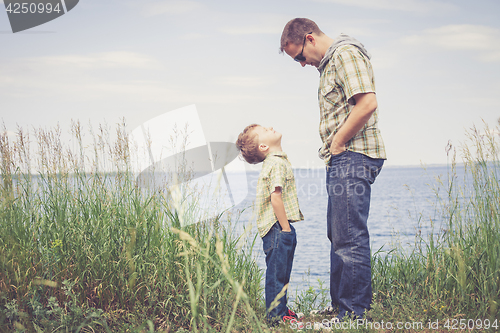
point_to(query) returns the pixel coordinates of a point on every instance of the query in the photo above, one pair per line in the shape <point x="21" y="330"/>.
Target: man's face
<point x="308" y="50"/>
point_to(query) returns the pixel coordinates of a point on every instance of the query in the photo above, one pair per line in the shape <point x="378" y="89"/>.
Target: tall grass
<point x="449" y="279"/>
<point x="82" y="250"/>
<point x="455" y="272"/>
<point x="87" y="250"/>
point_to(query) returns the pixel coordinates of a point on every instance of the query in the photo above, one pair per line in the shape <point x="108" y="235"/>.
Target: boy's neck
<point x="275" y="149"/>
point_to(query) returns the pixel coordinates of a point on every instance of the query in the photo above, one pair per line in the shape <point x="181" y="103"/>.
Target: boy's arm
<point x="279" y="209"/>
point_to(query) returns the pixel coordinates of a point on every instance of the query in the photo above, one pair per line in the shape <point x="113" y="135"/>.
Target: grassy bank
<point x="449" y="280"/>
<point x="85" y="250"/>
<point x="454" y="274"/>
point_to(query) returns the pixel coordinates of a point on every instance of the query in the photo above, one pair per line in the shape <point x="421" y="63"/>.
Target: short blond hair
<point x="248" y="144"/>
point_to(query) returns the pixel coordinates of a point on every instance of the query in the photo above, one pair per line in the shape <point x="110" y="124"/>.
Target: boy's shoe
<point x="292" y="323"/>
<point x="297" y="315"/>
<point x="328" y="311"/>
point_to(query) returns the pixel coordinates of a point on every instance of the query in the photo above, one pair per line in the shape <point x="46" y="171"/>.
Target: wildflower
<point x="56" y="243"/>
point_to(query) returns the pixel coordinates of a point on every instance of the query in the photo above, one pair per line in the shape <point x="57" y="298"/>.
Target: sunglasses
<point x="300" y="57"/>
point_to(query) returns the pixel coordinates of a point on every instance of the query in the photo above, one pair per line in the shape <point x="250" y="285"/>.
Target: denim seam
<point x="349" y="232"/>
<point x="278" y="238"/>
<point x="366" y="171"/>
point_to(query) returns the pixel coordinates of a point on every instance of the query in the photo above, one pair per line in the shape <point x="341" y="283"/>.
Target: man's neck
<point x="324" y="44"/>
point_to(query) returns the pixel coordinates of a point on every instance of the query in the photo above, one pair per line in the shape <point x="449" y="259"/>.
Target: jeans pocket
<point x="372" y="167"/>
<point x="287" y="238"/>
<point x="338" y="166"/>
<point x="292" y="230"/>
<point x="268" y="241"/>
<point x="340" y="154"/>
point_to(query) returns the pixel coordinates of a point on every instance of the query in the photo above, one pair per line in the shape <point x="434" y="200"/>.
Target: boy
<point x="276" y="206"/>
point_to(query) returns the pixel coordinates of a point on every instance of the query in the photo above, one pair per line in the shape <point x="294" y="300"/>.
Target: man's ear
<point x="263" y="147"/>
<point x="311" y="39"/>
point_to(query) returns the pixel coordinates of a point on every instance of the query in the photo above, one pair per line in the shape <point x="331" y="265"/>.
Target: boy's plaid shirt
<point x="276" y="171"/>
<point x="347" y="73"/>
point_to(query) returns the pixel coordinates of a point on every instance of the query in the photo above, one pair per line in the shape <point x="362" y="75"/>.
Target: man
<point x="352" y="149"/>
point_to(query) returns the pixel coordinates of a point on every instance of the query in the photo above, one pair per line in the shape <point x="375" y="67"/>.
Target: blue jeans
<point x="279" y="247"/>
<point x="349" y="176"/>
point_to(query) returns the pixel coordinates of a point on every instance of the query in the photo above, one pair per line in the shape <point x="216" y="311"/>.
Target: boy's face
<point x="268" y="136"/>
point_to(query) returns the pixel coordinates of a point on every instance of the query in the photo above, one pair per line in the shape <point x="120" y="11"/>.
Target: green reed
<point x="454" y="273"/>
<point x="82" y="249"/>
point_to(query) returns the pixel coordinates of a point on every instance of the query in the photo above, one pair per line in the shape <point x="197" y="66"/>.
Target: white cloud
<point x="252" y="24"/>
<point x="96" y="74"/>
<point x="242" y="81"/>
<point x="193" y="36"/>
<point x="420" y="6"/>
<point x="100" y="60"/>
<point x="168" y="7"/>
<point x="253" y="29"/>
<point x="108" y="76"/>
<point x="481" y="39"/>
<point x="385" y="58"/>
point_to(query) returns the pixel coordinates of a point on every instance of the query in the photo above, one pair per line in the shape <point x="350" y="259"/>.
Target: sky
<point x="436" y="64"/>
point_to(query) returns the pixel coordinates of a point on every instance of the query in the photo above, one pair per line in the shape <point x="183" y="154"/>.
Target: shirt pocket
<point x="329" y="94"/>
<point x="288" y="178"/>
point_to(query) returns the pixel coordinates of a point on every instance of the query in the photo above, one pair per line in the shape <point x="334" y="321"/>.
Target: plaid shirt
<point x="349" y="72"/>
<point x="276" y="171"/>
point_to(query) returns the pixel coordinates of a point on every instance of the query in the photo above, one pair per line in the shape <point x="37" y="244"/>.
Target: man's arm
<point x="366" y="104"/>
<point x="279" y="209"/>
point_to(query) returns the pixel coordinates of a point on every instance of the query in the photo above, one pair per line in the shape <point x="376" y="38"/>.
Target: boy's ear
<point x="263" y="147"/>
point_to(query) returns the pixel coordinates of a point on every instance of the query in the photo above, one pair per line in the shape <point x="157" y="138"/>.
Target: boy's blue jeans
<point x="279" y="247"/>
<point x="348" y="180"/>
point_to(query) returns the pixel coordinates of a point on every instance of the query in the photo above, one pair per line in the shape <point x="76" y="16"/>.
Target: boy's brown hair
<point x="248" y="144"/>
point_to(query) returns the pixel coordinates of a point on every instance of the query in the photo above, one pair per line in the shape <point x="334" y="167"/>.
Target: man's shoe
<point x="328" y="311"/>
<point x="297" y="315"/>
<point x="292" y="323"/>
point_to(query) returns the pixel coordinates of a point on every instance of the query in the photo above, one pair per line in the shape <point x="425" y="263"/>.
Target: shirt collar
<point x="342" y="39"/>
<point x="277" y="153"/>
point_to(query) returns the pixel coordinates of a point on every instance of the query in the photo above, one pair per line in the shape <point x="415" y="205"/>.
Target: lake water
<point x="403" y="202"/>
